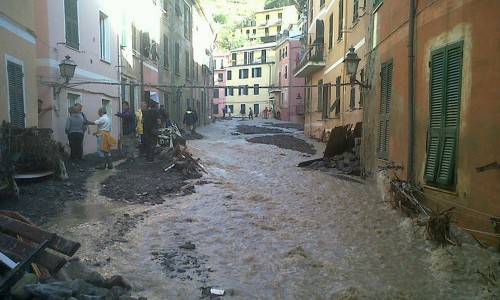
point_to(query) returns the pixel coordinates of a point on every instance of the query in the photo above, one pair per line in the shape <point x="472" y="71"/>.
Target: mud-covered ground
<point x="134" y="182"/>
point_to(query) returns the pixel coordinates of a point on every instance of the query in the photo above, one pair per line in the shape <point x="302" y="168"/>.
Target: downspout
<point x="141" y="66"/>
<point x="411" y="33"/>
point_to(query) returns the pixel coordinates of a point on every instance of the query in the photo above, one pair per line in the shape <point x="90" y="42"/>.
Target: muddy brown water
<point x="262" y="228"/>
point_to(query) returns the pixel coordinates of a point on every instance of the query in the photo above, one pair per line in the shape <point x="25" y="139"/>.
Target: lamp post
<point x="67" y="69"/>
<point x="351" y="63"/>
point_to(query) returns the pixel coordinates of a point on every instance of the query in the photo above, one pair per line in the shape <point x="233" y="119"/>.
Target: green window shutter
<point x="71" y="21"/>
<point x="385" y="108"/>
<point x="320" y="96"/>
<point x="444" y="114"/>
<point x="16" y="96"/>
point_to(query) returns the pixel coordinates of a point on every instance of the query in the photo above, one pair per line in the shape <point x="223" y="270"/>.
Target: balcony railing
<point x="310" y="60"/>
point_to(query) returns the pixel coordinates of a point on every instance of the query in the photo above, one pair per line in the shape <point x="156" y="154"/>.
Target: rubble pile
<point x="73" y="281"/>
<point x="347" y="163"/>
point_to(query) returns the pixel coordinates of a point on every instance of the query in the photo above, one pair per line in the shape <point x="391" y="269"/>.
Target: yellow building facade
<point x="249" y="76"/>
<point x="266" y="24"/>
<point x="331" y="28"/>
<point x="18" y="97"/>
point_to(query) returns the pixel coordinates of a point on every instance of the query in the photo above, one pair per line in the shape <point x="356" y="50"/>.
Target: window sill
<point x="105" y="61"/>
<point x="441" y="190"/>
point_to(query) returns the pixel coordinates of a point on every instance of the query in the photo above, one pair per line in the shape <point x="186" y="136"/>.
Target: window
<point x="278" y="29"/>
<point x="280" y="16"/>
<point x="187" y="22"/>
<point x="248" y="31"/>
<point x="377" y="3"/>
<point x="444" y="115"/>
<point x="385" y="108"/>
<point x="256" y="89"/>
<point x="256" y="72"/>
<point x="230" y="91"/>
<point x="361" y="90"/>
<point x="341" y="20"/>
<point x="321" y="3"/>
<point x="330" y="32"/>
<point x="134" y="38"/>
<point x="229" y="74"/>
<point x="243" y="73"/>
<point x="352" y="100"/>
<point x="266" y="31"/>
<point x="71" y="23"/>
<point x="286" y="72"/>
<point x="320" y="96"/>
<point x="336" y="103"/>
<point x="165" y="51"/>
<point x="263" y="58"/>
<point x="104" y="37"/>
<point x="220" y="77"/>
<point x="355" y="15"/>
<point x="178" y="10"/>
<point x="267" y="17"/>
<point x="233" y="59"/>
<point x="254" y="31"/>
<point x="216" y="93"/>
<point x="73" y="99"/>
<point x="176" y="58"/>
<point x="215" y="108"/>
<point x="187" y="64"/>
<point x="16" y="94"/>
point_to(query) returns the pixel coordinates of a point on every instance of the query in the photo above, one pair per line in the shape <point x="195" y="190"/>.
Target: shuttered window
<point x="71" y="22"/>
<point x="16" y="96"/>
<point x="385" y="109"/>
<point x="444" y="115"/>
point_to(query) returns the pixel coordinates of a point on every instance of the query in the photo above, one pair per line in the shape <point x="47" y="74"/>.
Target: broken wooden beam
<point x="30" y="232"/>
<point x="17" y="250"/>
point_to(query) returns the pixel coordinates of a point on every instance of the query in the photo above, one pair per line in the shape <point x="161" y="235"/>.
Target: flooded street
<point x="262" y="228"/>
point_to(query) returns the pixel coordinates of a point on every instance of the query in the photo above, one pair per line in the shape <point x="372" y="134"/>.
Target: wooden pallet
<point x="19" y="238"/>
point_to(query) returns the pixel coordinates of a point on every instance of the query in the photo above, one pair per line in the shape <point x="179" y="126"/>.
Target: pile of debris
<point x="182" y="160"/>
<point x="42" y="273"/>
<point x="342" y="154"/>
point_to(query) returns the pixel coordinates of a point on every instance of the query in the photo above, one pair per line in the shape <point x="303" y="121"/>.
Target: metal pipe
<point x="411" y="33"/>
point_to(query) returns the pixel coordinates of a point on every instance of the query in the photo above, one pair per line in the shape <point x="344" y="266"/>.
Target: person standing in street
<point x="139" y="128"/>
<point x="151" y="122"/>
<point x="250" y="113"/>
<point x="128" y="130"/>
<point x="104" y="139"/>
<point x="76" y="125"/>
<point x="190" y="119"/>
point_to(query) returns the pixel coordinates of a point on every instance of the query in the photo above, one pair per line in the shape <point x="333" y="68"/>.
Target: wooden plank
<point x="14" y="227"/>
<point x="18" y="250"/>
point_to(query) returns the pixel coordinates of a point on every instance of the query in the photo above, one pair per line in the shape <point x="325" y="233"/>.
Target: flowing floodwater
<point x="265" y="229"/>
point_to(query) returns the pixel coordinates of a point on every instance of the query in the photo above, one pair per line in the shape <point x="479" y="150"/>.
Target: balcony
<point x="310" y="60"/>
<point x="274" y="89"/>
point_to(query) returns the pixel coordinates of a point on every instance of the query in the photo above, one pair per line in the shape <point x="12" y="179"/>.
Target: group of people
<point x="142" y="124"/>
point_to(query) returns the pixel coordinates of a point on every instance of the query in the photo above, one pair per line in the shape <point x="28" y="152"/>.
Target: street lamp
<point x="351" y="63"/>
<point x="67" y="69"/>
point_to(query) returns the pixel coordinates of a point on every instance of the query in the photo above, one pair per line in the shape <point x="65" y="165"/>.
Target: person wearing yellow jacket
<point x="104" y="139"/>
<point x="139" y="128"/>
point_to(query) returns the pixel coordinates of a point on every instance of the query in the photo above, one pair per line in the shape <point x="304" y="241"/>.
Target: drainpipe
<point x="411" y="32"/>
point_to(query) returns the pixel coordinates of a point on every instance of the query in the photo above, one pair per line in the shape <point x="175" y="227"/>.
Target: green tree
<point x="230" y="37"/>
<point x="277" y="3"/>
<point x="220" y="18"/>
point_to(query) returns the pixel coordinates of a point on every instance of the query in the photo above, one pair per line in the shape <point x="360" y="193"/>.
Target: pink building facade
<point x="289" y="91"/>
<point x="82" y="30"/>
<point x="221" y="61"/>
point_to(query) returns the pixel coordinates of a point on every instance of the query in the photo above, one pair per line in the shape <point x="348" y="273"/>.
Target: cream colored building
<point x="266" y="24"/>
<point x="331" y="28"/>
<point x="18" y="97"/>
<point x="248" y="78"/>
